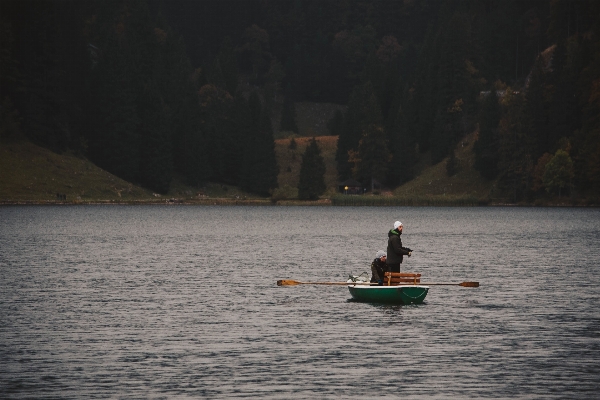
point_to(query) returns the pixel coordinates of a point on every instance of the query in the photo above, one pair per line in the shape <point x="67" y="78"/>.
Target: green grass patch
<point x="29" y="173"/>
<point x="290" y="160"/>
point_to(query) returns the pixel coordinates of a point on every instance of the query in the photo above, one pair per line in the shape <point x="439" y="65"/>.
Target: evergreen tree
<point x="156" y="164"/>
<point x="486" y="146"/>
<point x="564" y="117"/>
<point x="536" y="111"/>
<point x="448" y="128"/>
<point x="586" y="143"/>
<point x="539" y="170"/>
<point x="372" y="156"/>
<point x="238" y="129"/>
<point x="495" y="39"/>
<point x="558" y="173"/>
<point x="455" y="87"/>
<point x="451" y="164"/>
<point x="228" y="66"/>
<point x="403" y="140"/>
<point x="515" y="162"/>
<point x="422" y="92"/>
<point x="216" y="113"/>
<point x="336" y="124"/>
<point x="363" y="110"/>
<point x="216" y="77"/>
<point x="190" y="157"/>
<point x="288" y="116"/>
<point x="190" y="152"/>
<point x="312" y="173"/>
<point x="255" y="56"/>
<point x="114" y="141"/>
<point x="48" y="76"/>
<point x="259" y="168"/>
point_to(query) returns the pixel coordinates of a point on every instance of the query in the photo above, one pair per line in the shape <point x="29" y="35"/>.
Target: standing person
<point x="395" y="251"/>
<point x="378" y="267"/>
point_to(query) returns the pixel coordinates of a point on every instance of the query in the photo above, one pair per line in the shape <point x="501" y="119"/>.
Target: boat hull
<point x="404" y="294"/>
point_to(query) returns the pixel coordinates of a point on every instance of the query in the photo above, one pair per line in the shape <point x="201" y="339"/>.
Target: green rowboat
<point x="402" y="294"/>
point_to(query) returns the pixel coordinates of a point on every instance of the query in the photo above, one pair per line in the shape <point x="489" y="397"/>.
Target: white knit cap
<point x="380" y="254"/>
<point x="397" y="224"/>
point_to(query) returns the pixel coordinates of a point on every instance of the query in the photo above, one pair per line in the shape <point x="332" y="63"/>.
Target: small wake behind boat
<point x="398" y="288"/>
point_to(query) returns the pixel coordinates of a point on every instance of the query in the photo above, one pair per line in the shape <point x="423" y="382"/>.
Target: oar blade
<point x="287" y="282"/>
<point x="469" y="284"/>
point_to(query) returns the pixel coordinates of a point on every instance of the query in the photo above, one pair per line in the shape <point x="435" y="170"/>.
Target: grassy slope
<point x="431" y="184"/>
<point x="433" y="181"/>
<point x="289" y="160"/>
<point x="29" y="173"/>
<point x="32" y="173"/>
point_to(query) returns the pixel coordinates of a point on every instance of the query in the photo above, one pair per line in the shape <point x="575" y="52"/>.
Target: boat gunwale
<point x="392" y="294"/>
<point x="385" y="286"/>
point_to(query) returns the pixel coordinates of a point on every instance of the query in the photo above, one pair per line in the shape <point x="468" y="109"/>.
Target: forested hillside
<point x="150" y="90"/>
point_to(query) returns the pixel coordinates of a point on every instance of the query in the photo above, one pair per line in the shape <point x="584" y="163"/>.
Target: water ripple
<point x="105" y="301"/>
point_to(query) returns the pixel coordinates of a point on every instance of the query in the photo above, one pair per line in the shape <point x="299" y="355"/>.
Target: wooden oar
<point x="289" y="282"/>
<point x="465" y="284"/>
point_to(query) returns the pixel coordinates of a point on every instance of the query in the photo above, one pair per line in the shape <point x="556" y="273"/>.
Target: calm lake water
<point x="182" y="302"/>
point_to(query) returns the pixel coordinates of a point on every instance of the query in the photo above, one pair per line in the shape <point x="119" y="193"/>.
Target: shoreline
<point x="285" y="203"/>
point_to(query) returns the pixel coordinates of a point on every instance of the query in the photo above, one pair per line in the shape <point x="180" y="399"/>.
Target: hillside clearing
<point x="290" y="160"/>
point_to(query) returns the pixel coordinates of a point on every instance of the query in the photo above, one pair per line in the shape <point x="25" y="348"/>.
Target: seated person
<point x="378" y="267"/>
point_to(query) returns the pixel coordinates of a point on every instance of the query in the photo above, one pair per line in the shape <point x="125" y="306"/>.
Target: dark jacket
<point x="395" y="251"/>
<point x="378" y="269"/>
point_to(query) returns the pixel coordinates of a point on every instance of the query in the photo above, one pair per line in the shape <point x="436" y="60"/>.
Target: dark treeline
<point x="149" y="89"/>
<point x="111" y="81"/>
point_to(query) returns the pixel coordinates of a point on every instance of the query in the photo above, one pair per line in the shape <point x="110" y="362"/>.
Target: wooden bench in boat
<point x="401" y="278"/>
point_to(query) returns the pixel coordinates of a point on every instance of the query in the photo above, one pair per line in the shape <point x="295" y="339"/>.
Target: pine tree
<point x="363" y="110"/>
<point x="114" y="141"/>
<point x="190" y="157"/>
<point x="402" y="128"/>
<point x="47" y="77"/>
<point x="190" y="152"/>
<point x="422" y="93"/>
<point x="259" y="167"/>
<point x="564" y="117"/>
<point x="312" y="173"/>
<point x="288" y="116"/>
<point x="515" y="161"/>
<point x="452" y="164"/>
<point x="536" y="111"/>
<point x="217" y="124"/>
<point x="336" y="123"/>
<point x="228" y="66"/>
<point x="586" y="143"/>
<point x="372" y="157"/>
<point x="156" y="161"/>
<point x="558" y="173"/>
<point x="455" y="88"/>
<point x="486" y="146"/>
